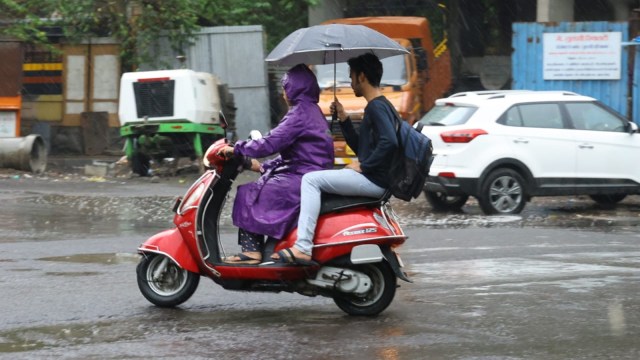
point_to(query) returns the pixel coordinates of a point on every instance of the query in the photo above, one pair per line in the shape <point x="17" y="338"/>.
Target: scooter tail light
<point x="461" y="136"/>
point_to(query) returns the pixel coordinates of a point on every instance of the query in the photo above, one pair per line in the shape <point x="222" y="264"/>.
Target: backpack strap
<point x="396" y="118"/>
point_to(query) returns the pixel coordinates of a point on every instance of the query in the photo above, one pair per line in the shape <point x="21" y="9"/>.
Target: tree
<point x="136" y="24"/>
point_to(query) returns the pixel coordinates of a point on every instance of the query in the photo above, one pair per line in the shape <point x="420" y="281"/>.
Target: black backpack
<point x="411" y="161"/>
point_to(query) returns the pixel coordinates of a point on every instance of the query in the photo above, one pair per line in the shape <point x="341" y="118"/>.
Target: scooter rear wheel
<point x="383" y="289"/>
<point x="163" y="282"/>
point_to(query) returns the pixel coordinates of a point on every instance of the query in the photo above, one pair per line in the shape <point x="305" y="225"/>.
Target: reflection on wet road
<point x="38" y="217"/>
<point x="559" y="281"/>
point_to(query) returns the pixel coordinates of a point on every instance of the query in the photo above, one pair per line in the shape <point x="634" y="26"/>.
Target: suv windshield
<point x="394" y="74"/>
<point x="448" y="114"/>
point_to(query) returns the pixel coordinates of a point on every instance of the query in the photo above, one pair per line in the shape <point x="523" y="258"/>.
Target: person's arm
<point x="279" y="138"/>
<point x="350" y="134"/>
<point x="272" y="163"/>
<point x="346" y="126"/>
<point x="387" y="141"/>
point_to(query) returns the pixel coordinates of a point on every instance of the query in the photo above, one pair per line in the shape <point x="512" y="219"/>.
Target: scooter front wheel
<point x="383" y="289"/>
<point x="163" y="282"/>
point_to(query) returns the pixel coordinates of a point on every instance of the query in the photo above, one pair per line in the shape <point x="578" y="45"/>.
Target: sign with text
<point x="582" y="56"/>
<point x="8" y="124"/>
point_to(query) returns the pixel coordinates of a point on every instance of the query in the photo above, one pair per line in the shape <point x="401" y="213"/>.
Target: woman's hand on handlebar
<point x="226" y="152"/>
<point x="256" y="166"/>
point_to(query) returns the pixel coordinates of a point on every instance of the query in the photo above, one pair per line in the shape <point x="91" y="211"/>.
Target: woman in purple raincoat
<point x="270" y="205"/>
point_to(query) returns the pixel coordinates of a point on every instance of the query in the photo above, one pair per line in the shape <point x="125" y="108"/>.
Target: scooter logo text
<point x="360" y="232"/>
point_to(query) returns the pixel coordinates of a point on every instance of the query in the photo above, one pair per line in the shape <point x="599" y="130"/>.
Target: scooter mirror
<point x="255" y="135"/>
<point x="223" y="120"/>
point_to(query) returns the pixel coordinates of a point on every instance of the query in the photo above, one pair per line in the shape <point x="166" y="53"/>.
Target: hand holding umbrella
<point x="332" y="43"/>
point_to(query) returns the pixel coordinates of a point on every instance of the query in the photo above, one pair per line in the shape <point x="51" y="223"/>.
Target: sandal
<point x="241" y="259"/>
<point x="286" y="257"/>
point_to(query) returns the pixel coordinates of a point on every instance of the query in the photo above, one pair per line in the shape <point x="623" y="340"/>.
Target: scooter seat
<point x="333" y="202"/>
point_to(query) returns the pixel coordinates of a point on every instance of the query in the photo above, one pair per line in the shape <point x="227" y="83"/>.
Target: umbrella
<point x="332" y="43"/>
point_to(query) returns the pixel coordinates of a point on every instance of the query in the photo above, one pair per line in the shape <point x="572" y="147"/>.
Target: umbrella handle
<point x="334" y="114"/>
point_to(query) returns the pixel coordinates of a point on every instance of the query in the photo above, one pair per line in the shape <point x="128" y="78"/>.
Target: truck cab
<point x="411" y="82"/>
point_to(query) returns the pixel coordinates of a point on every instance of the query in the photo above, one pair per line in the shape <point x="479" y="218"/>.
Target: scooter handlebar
<point x="218" y="155"/>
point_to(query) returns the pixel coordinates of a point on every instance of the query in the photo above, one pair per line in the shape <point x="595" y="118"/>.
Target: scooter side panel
<point x="337" y="233"/>
<point x="171" y="244"/>
<point x="268" y="272"/>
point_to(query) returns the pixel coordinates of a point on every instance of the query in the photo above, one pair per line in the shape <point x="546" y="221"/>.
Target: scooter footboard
<point x="171" y="244"/>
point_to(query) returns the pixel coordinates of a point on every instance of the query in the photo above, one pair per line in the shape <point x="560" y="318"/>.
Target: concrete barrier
<point x="27" y="153"/>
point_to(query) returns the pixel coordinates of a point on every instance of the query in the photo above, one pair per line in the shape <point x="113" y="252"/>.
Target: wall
<point x="91" y="80"/>
<point x="236" y="55"/>
<point x="527" y="61"/>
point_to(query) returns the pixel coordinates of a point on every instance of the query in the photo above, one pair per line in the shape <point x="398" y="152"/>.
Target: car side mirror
<point x="632" y="127"/>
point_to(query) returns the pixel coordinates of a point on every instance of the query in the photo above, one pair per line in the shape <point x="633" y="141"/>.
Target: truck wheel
<point x="502" y="192"/>
<point x="442" y="202"/>
<point x="383" y="289"/>
<point x="140" y="163"/>
<point x="163" y="282"/>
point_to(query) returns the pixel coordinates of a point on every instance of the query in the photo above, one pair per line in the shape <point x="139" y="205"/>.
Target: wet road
<point x="559" y="281"/>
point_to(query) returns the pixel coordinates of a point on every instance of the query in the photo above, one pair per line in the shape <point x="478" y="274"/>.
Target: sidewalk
<point x="77" y="163"/>
<point x="116" y="166"/>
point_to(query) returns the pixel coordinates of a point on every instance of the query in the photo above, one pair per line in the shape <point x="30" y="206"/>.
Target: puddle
<point x="54" y="217"/>
<point x="519" y="272"/>
<point x="61" y="336"/>
<point x="42" y="217"/>
<point x="73" y="273"/>
<point x="106" y="259"/>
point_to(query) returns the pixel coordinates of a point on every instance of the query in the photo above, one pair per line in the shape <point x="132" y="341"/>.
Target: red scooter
<point x="354" y="258"/>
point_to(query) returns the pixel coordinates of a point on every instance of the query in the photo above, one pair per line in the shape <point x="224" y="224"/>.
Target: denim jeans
<point x="341" y="182"/>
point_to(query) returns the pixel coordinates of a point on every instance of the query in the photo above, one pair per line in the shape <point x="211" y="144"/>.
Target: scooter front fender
<point x="171" y="244"/>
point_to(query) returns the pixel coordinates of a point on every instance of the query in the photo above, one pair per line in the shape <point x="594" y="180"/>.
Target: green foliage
<point x="136" y="24"/>
<point x="279" y="17"/>
<point x="29" y="22"/>
<point x="436" y="11"/>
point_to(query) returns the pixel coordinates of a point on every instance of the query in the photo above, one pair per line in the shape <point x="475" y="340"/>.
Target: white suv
<point x="503" y="147"/>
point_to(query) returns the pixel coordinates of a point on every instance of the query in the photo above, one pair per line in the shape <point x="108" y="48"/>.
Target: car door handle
<point x="585" y="146"/>
<point x="521" y="141"/>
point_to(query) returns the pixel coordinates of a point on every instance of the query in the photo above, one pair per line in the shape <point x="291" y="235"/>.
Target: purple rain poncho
<point x="271" y="204"/>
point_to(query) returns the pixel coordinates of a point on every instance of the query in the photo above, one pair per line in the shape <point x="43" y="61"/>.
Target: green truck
<point x="171" y="114"/>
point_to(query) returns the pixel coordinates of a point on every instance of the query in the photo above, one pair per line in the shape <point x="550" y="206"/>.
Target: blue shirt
<point x="375" y="141"/>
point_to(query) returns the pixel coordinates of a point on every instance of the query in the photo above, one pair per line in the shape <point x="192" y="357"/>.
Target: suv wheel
<point x="442" y="202"/>
<point x="608" y="199"/>
<point x="502" y="192"/>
